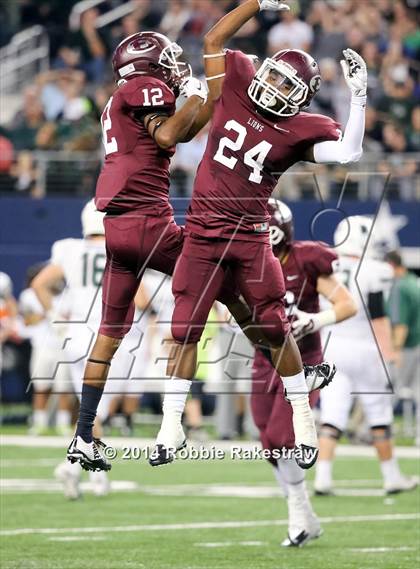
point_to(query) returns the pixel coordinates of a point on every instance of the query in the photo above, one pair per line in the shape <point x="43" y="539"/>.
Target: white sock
<point x="75" y="468"/>
<point x="62" y="418"/>
<point x="323" y="474"/>
<point x="98" y="477"/>
<point x="390" y="470"/>
<point x="295" y="386"/>
<point x="292" y="472"/>
<point x="176" y="393"/>
<point x="279" y="476"/>
<point x="40" y="419"/>
<point x="299" y="508"/>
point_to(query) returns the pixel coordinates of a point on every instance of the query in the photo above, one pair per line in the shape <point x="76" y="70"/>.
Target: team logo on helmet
<point x="153" y="54"/>
<point x="315" y="84"/>
<point x="281" y="224"/>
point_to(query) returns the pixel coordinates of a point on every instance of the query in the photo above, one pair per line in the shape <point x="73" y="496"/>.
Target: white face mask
<point x="169" y="59"/>
<point x="277" y="88"/>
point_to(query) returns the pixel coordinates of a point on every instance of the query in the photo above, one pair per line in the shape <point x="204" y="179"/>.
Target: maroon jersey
<point x="245" y="155"/>
<point x="306" y="261"/>
<point x="135" y="174"/>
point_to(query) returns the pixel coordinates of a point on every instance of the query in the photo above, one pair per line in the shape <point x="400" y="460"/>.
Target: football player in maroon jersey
<point x="140" y="130"/>
<point x="308" y="268"/>
<point x="259" y="129"/>
<point x="140" y="127"/>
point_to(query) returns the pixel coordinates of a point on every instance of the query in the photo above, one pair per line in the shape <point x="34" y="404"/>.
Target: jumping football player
<point x="362" y="376"/>
<point x="258" y="131"/>
<point x="308" y="268"/>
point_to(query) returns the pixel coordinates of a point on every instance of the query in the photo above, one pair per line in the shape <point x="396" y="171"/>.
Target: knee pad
<point x="116" y="321"/>
<point x="186" y="333"/>
<point x="330" y="432"/>
<point x="381" y="433"/>
<point x="275" y="325"/>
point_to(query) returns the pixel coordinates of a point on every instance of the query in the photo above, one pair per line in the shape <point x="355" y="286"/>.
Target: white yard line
<point x="35" y="485"/>
<point x="45" y="485"/>
<point x="230" y="543"/>
<point x="120" y="442"/>
<point x="204" y="525"/>
<point x="380" y="549"/>
<point x="77" y="538"/>
<point x="24" y="463"/>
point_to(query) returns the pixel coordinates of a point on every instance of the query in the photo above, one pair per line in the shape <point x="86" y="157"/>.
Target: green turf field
<point x="198" y="515"/>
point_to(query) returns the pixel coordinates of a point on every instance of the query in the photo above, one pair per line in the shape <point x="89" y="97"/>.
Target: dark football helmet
<point x="285" y="83"/>
<point x="281" y="225"/>
<point x="150" y="53"/>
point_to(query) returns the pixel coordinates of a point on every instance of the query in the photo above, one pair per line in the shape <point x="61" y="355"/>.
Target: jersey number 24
<point x="254" y="158"/>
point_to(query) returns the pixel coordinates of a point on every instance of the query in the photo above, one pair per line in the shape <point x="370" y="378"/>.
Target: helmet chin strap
<point x="268" y="100"/>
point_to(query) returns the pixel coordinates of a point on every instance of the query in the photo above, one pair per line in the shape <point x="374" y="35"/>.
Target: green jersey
<point x="404" y="307"/>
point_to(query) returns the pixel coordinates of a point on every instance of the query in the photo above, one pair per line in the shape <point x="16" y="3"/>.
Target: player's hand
<point x="304" y="323"/>
<point x="193" y="86"/>
<point x="274" y="5"/>
<point x="355" y="72"/>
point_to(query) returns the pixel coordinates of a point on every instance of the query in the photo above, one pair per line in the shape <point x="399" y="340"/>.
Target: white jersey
<point x="363" y="279"/>
<point x="83" y="263"/>
<point x="6" y="287"/>
<point x="351" y="346"/>
<point x="42" y="333"/>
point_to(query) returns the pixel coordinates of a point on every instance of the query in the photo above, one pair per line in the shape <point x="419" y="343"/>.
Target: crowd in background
<point x="60" y="110"/>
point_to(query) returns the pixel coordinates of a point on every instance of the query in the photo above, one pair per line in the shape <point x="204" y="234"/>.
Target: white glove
<point x="193" y="86"/>
<point x="355" y="72"/>
<point x="274" y="5"/>
<point x="308" y="323"/>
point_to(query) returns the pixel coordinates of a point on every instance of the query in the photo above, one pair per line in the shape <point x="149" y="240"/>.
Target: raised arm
<point x="168" y="131"/>
<point x="349" y="148"/>
<point x="216" y="39"/>
<point x="194" y="115"/>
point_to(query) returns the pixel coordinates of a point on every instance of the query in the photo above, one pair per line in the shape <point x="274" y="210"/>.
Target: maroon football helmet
<point x="285" y="83"/>
<point x="150" y="53"/>
<point x="281" y="225"/>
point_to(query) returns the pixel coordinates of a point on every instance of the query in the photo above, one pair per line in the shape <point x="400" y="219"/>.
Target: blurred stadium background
<point x="55" y="79"/>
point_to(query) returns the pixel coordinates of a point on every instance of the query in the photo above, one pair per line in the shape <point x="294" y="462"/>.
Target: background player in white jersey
<point x="46" y="375"/>
<point x="8" y="310"/>
<point x="360" y="368"/>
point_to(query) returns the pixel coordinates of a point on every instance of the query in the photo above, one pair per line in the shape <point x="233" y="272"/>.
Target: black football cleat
<point x="323" y="493"/>
<point x="89" y="455"/>
<point x="298" y="541"/>
<point x="319" y="376"/>
<point x="302" y="538"/>
<point x="164" y="455"/>
<point x="306" y="456"/>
